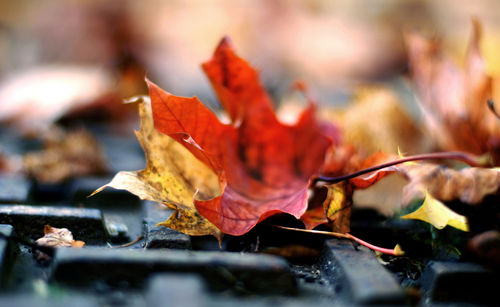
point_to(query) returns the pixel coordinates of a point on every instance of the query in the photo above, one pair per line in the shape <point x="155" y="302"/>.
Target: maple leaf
<point x="58" y="237"/>
<point x="173" y="176"/>
<point x="264" y="166"/>
<point x="454" y="101"/>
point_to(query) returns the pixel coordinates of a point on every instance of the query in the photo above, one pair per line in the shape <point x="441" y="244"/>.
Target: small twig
<point x="139" y="238"/>
<point x="396" y="251"/>
<point x="145" y="243"/>
<point x="469" y="159"/>
<point x="257" y="244"/>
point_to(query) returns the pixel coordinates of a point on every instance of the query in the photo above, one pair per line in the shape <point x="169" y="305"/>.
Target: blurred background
<point x="57" y="56"/>
<point x="66" y="60"/>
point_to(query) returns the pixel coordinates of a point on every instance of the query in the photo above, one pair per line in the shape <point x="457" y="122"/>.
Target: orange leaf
<point x="365" y="181"/>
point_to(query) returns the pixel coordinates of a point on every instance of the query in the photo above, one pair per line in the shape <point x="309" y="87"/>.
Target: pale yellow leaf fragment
<point x="337" y="206"/>
<point x="173" y="176"/>
<point x="436" y="213"/>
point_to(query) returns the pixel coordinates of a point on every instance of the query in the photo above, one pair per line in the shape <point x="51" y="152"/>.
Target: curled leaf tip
<point x="398" y="251"/>
<point x="225" y="42"/>
<point x="97" y="191"/>
<point x="134" y="99"/>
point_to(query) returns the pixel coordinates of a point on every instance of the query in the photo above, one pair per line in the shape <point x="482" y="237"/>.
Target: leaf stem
<point x="395" y="252"/>
<point x="467" y="158"/>
<point x="139" y="238"/>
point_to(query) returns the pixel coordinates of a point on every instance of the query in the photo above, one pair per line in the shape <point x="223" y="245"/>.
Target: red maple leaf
<point x="264" y="166"/>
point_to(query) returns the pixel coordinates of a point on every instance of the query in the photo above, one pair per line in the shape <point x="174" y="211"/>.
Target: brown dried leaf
<point x="469" y="185"/>
<point x="58" y="237"/>
<point x="66" y="155"/>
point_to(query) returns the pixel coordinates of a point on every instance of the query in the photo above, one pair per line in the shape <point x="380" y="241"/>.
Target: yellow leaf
<point x="436" y="213"/>
<point x="173" y="176"/>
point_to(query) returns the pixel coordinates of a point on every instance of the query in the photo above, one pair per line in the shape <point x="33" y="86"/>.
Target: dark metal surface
<point x="170" y="268"/>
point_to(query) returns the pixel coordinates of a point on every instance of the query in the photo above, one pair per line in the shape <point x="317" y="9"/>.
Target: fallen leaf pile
<point x="65" y="155"/>
<point x="224" y="178"/>
<point x="458" y="107"/>
<point x="263" y="167"/>
<point x="58" y="237"/>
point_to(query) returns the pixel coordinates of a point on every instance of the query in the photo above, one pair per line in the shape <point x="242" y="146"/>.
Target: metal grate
<point x="170" y="268"/>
